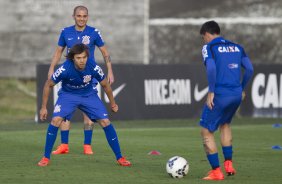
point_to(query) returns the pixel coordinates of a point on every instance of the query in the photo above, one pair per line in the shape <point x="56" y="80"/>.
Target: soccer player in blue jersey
<point x="223" y="60"/>
<point x="77" y="74"/>
<point x="90" y="36"/>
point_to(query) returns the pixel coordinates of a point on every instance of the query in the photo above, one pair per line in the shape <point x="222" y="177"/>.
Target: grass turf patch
<point x="254" y="159"/>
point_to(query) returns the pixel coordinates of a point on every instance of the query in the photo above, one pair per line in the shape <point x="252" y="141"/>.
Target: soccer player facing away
<point x="77" y="74"/>
<point x="90" y="36"/>
<point x="223" y="60"/>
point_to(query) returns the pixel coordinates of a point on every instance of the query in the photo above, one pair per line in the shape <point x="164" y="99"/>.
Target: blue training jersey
<point x="75" y="81"/>
<point x="228" y="57"/>
<point x="90" y="36"/>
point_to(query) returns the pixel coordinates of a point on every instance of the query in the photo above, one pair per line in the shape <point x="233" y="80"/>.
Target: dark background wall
<point x="182" y="43"/>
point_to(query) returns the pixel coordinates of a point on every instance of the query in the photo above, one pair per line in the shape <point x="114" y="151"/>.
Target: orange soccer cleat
<point x="43" y="162"/>
<point x="87" y="150"/>
<point x="228" y="166"/>
<point x="61" y="149"/>
<point x="215" y="174"/>
<point x="123" y="162"/>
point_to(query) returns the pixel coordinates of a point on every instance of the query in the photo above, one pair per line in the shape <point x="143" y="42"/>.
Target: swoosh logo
<point x="199" y="95"/>
<point x="115" y="92"/>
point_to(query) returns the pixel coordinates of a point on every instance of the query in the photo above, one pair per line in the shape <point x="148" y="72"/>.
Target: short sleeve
<point x="99" y="42"/>
<point x="98" y="73"/>
<point x="59" y="74"/>
<point x="62" y="41"/>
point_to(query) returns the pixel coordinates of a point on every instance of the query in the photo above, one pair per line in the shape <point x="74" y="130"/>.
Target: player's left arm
<point x="108" y="90"/>
<point x="107" y="58"/>
<point x="46" y="91"/>
<point x="249" y="70"/>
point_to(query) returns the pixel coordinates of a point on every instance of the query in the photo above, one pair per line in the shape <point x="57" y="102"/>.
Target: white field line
<point x="221" y="20"/>
<point x="25" y="90"/>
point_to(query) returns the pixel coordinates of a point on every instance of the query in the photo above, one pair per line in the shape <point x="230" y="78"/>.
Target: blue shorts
<point x="223" y="110"/>
<point x="91" y="105"/>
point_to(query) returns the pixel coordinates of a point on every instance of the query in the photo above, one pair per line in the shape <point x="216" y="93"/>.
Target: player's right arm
<point x="58" y="76"/>
<point x="46" y="91"/>
<point x="55" y="60"/>
<point x="211" y="74"/>
<point x="58" y="53"/>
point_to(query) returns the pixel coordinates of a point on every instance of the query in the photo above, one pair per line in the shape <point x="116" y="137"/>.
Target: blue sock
<point x="88" y="136"/>
<point x="65" y="136"/>
<point x="227" y="152"/>
<point x="112" y="138"/>
<point x="50" y="139"/>
<point x="214" y="161"/>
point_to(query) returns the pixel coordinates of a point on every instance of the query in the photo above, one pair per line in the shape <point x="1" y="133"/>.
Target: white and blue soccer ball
<point x="177" y="167"/>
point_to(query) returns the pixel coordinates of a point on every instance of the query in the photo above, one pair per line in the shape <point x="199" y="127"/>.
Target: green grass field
<point x="22" y="145"/>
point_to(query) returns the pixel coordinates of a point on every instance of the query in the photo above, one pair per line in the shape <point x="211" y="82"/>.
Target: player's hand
<point x="43" y="114"/>
<point x="210" y="98"/>
<point x="111" y="78"/>
<point x="114" y="107"/>
<point x="243" y="95"/>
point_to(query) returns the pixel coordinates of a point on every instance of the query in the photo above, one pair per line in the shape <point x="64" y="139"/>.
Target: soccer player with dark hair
<point x="77" y="74"/>
<point x="90" y="36"/>
<point x="223" y="60"/>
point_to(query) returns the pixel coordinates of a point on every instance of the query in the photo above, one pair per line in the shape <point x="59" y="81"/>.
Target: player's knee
<point x="88" y="122"/>
<point x="56" y="121"/>
<point x="65" y="125"/>
<point x="208" y="141"/>
<point x="230" y="140"/>
<point x="104" y="122"/>
<point x="224" y="126"/>
<point x="89" y="126"/>
<point x="207" y="146"/>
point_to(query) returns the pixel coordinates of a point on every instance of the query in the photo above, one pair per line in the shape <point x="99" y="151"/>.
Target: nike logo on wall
<point x="199" y="95"/>
<point x="115" y="92"/>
